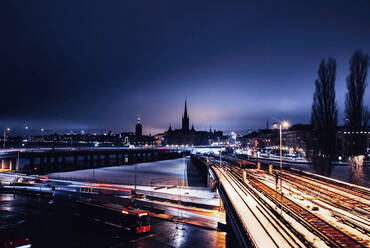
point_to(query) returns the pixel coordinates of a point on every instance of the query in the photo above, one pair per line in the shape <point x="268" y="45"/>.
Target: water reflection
<point x="6" y="202"/>
<point x="322" y="167"/>
<point x="6" y="197"/>
<point x="180" y="235"/>
<point x="359" y="175"/>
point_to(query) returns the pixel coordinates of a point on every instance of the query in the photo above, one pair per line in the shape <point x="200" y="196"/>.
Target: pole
<point x="281" y="170"/>
<point x="276" y="188"/>
<point x="93" y="165"/>
<point x="4" y="140"/>
<point x="135" y="187"/>
<point x="220" y="158"/>
<point x="17" y="167"/>
<point x="135" y="177"/>
<point x="183" y="185"/>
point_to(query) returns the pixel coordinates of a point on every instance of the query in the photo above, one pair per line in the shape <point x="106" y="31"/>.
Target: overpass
<point x="42" y="161"/>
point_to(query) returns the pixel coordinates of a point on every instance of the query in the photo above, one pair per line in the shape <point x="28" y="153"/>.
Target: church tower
<point x="185" y="120"/>
<point x="139" y="127"/>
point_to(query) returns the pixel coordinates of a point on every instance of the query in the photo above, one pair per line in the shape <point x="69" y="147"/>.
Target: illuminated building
<point x="138" y="128"/>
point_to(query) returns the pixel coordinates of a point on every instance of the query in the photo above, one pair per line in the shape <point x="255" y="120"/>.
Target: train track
<point x="350" y="189"/>
<point x="360" y="192"/>
<point x="341" y="199"/>
<point x="330" y="234"/>
<point x="345" y="201"/>
<point x="274" y="221"/>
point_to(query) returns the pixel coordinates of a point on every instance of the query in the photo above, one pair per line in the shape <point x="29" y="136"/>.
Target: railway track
<point x="317" y="183"/>
<point x="357" y="191"/>
<point x="347" y="188"/>
<point x="274" y="221"/>
<point x="330" y="234"/>
<point x="344" y="200"/>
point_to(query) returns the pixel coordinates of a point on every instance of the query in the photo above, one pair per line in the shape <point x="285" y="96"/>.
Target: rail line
<point x="330" y="234"/>
<point x="353" y="190"/>
<point x="350" y="203"/>
<point x="315" y="185"/>
<point x="270" y="213"/>
<point x="350" y="189"/>
<point x="277" y="226"/>
<point x="360" y="225"/>
<point x="360" y="192"/>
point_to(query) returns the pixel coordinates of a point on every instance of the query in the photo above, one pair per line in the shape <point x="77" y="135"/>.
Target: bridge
<point x="310" y="211"/>
<point x="42" y="161"/>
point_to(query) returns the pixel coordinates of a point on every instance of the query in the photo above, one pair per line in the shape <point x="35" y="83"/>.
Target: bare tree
<point x="365" y="117"/>
<point x="324" y="115"/>
<point x="355" y="113"/>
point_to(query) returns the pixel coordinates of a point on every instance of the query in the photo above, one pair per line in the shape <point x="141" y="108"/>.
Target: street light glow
<point x="285" y="124"/>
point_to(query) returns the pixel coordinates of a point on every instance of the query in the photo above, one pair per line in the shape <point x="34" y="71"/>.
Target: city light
<point x="285" y="124"/>
<point x="195" y="124"/>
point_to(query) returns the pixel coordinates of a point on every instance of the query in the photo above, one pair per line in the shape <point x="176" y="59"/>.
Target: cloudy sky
<point x="96" y="64"/>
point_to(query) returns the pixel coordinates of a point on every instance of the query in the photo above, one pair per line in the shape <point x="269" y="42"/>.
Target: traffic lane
<point x="53" y="224"/>
<point x="191" y="215"/>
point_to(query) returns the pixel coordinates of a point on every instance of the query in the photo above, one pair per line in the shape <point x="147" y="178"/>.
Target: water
<point x="359" y="176"/>
<point x="166" y="172"/>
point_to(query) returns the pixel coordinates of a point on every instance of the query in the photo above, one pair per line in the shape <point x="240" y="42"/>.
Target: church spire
<point x="170" y="128"/>
<point x="185" y="119"/>
<point x="186" y="110"/>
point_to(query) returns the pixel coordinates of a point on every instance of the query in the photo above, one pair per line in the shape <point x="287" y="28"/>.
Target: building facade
<point x="297" y="138"/>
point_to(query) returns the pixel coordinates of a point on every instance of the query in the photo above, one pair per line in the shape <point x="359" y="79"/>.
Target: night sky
<point x="96" y="64"/>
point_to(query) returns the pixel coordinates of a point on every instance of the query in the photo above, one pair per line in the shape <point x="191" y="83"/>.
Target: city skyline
<point x="192" y="123"/>
<point x="84" y="68"/>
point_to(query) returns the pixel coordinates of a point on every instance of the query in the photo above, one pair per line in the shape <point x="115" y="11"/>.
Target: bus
<point x="104" y="189"/>
<point x="131" y="219"/>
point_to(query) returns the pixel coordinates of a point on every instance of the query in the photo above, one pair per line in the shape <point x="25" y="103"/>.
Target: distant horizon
<point x="101" y="131"/>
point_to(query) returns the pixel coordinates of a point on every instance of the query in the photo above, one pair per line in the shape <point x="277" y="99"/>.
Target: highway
<point x="164" y="204"/>
<point x="46" y="223"/>
<point x="316" y="212"/>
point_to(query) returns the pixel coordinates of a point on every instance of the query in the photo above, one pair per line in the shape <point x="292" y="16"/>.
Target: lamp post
<point x="282" y="125"/>
<point x="26" y="127"/>
<point x="6" y="130"/>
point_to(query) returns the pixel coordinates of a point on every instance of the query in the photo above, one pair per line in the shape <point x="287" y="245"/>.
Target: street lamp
<point x="284" y="124"/>
<point x="6" y="130"/>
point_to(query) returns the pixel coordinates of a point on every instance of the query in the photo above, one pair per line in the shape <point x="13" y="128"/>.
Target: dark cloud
<point x="94" y="64"/>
